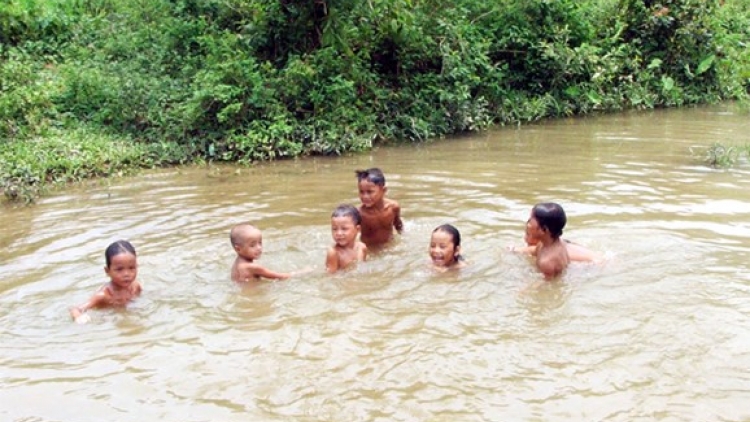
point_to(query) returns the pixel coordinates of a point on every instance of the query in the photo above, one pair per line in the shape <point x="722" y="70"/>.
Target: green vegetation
<point x="100" y="87"/>
<point x="718" y="155"/>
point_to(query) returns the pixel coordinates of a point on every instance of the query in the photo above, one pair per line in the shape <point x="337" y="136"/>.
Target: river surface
<point x="659" y="331"/>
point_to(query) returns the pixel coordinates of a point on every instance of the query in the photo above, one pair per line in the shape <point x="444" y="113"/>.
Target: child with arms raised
<point x="122" y="269"/>
<point x="247" y="241"/>
<point x="345" y="226"/>
<point x="379" y="214"/>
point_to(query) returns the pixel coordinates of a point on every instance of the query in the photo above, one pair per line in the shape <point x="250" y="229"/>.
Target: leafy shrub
<point x="22" y="21"/>
<point x="26" y="87"/>
<point x="246" y="80"/>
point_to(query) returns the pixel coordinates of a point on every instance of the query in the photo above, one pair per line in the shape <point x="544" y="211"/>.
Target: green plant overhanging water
<point x="137" y="83"/>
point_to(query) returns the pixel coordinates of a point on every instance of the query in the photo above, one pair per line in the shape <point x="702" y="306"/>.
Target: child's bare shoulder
<point x="391" y="203"/>
<point x="243" y="268"/>
<point x="332" y="251"/>
<point x="105" y="291"/>
<point x="252" y="267"/>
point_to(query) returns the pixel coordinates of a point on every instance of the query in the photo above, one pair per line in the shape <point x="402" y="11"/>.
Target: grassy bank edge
<point x="34" y="167"/>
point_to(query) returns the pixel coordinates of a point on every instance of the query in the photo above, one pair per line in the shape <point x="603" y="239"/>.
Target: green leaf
<point x="572" y="91"/>
<point x="655" y="63"/>
<point x="594" y="97"/>
<point x="705" y="64"/>
<point x="667" y="83"/>
<point x="394" y="27"/>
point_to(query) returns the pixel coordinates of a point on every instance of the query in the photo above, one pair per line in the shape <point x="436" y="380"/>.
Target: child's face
<point x="528" y="238"/>
<point x="370" y="194"/>
<point x="533" y="231"/>
<point x="251" y="246"/>
<point x="344" y="230"/>
<point x="122" y="270"/>
<point x="442" y="250"/>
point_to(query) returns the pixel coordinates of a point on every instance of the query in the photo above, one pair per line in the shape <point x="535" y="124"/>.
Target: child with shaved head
<point x="247" y="241"/>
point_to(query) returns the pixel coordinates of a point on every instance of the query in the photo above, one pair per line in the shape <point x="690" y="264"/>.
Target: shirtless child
<point x="576" y="252"/>
<point x="247" y="241"/>
<point x="123" y="287"/>
<point x="345" y="226"/>
<point x="546" y="224"/>
<point x="379" y="214"/>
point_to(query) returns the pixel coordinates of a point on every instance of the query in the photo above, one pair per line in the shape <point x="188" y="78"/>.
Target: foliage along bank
<point x="101" y="87"/>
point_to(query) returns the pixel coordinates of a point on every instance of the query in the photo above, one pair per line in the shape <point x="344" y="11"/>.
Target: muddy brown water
<point x="660" y="331"/>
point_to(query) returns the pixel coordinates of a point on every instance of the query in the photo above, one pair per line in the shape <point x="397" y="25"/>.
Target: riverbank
<point x="101" y="88"/>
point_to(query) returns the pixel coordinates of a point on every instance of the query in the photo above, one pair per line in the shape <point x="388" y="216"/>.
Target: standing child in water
<point x="445" y="248"/>
<point x="546" y="224"/>
<point x="345" y="226"/>
<point x="122" y="269"/>
<point x="379" y="214"/>
<point x="247" y="241"/>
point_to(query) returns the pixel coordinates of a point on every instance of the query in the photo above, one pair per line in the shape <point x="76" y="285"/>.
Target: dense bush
<point x="248" y="80"/>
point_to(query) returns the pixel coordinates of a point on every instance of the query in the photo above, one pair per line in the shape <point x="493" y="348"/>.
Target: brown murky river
<point x="658" y="332"/>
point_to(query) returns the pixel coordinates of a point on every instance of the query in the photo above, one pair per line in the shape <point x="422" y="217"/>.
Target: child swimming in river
<point x="122" y="269"/>
<point x="546" y="224"/>
<point x="379" y="214"/>
<point x="576" y="252"/>
<point x="345" y="226"/>
<point x="247" y="241"/>
<point x="445" y="248"/>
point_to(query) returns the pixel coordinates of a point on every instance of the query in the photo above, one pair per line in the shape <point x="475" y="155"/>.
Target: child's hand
<point x="514" y="249"/>
<point x="308" y="269"/>
<point x="83" y="319"/>
<point x="522" y="250"/>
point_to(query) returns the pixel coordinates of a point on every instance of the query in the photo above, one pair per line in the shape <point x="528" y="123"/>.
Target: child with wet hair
<point x="379" y="214"/>
<point x="445" y="248"/>
<point x="247" y="241"/>
<point x="122" y="269"/>
<point x="576" y="252"/>
<point x="546" y="224"/>
<point x="345" y="226"/>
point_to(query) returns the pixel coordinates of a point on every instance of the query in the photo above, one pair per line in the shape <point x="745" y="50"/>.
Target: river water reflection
<point x="660" y="331"/>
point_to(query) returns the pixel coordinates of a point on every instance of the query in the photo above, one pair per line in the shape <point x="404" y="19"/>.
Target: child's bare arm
<point x="260" y="271"/>
<point x="78" y="313"/>
<point x="397" y="223"/>
<point x="332" y="260"/>
<point x="529" y="250"/>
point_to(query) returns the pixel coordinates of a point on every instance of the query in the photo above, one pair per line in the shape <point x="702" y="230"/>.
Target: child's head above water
<point x="373" y="175"/>
<point x="372" y="190"/>
<point x="549" y="217"/>
<point x="347" y="210"/>
<point x="117" y="248"/>
<point x="445" y="246"/>
<point x="247" y="241"/>
<point x="345" y="224"/>
<point x="122" y="266"/>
